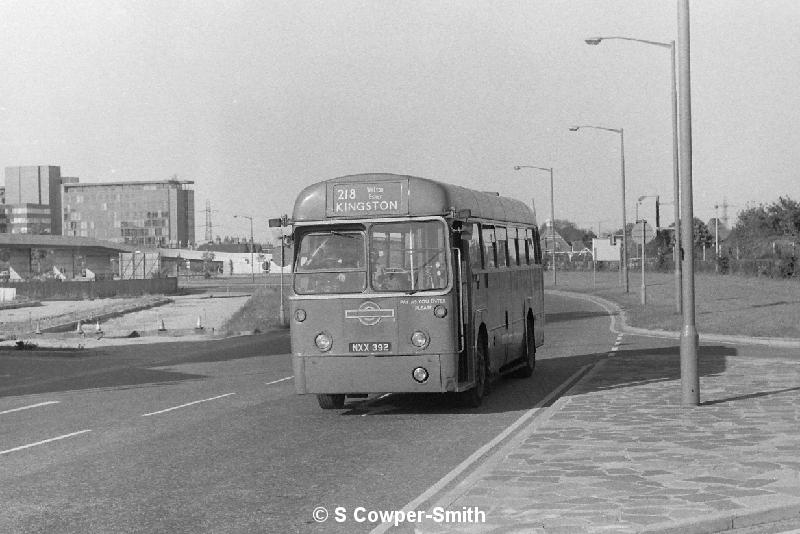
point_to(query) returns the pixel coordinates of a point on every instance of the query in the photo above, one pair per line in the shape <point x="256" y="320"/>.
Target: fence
<point x="136" y="265"/>
<point x="787" y="267"/>
<point x="56" y="290"/>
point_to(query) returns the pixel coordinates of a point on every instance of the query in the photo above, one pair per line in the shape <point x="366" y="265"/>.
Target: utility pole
<point x="690" y="381"/>
<point x="209" y="232"/>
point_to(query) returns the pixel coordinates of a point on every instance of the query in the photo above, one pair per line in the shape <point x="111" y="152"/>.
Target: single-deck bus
<point x="405" y="284"/>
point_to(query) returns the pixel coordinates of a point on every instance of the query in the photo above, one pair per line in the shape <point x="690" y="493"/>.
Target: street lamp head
<point x="593" y="40"/>
<point x="574" y="128"/>
<point x="517" y="167"/>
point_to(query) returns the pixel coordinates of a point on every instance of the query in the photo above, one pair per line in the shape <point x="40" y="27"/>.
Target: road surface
<point x="210" y="437"/>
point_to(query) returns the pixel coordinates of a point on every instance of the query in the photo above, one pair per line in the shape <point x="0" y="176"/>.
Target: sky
<point x="255" y="100"/>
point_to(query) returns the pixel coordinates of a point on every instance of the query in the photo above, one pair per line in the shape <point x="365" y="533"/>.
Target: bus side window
<point x="489" y="247"/>
<point x="502" y="248"/>
<point x="475" y="252"/>
<point x="513" y="248"/>
<point x="537" y="246"/>
<point x="527" y="241"/>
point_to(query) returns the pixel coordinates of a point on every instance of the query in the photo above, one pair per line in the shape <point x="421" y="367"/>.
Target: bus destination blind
<point x="367" y="199"/>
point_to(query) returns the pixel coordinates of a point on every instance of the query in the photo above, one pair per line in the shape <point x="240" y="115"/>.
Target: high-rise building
<point x="148" y="213"/>
<point x="3" y="217"/>
<point x="33" y="199"/>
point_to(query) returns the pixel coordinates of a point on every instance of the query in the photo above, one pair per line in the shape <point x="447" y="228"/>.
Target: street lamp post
<point x="676" y="248"/>
<point x="552" y="211"/>
<point x="716" y="232"/>
<point x="252" y="271"/>
<point x="281" y="222"/>
<point x="620" y="131"/>
<point x="690" y="380"/>
<point x="644" y="227"/>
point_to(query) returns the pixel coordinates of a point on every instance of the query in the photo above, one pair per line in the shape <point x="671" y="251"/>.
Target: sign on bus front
<point x="367" y="199"/>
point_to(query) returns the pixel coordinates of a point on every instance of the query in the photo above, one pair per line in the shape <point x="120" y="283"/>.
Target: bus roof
<point x="395" y="195"/>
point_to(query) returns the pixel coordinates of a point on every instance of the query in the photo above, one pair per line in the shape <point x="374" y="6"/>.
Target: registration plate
<point x="371" y="346"/>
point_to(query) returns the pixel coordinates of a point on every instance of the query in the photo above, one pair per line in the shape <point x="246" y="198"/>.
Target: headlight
<point x="323" y="341"/>
<point x="419" y="339"/>
<point x="300" y="315"/>
<point x="420" y="374"/>
<point x="440" y="311"/>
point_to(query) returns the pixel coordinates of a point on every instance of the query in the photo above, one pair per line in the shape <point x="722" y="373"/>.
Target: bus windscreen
<point x="408" y="256"/>
<point x="330" y="262"/>
<point x="405" y="256"/>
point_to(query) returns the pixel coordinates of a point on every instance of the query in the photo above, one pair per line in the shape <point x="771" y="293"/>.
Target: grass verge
<point x="260" y="313"/>
<point x="724" y="304"/>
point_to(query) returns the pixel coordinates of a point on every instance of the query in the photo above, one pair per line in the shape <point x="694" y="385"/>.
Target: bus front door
<point x="466" y="324"/>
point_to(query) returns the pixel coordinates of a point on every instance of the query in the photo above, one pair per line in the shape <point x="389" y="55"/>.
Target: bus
<point x="403" y="284"/>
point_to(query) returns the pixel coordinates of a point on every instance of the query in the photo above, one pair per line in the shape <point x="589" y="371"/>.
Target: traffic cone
<point x="79" y="329"/>
<point x="38" y="327"/>
<point x="199" y="324"/>
<point x="97" y="328"/>
<point x="163" y="327"/>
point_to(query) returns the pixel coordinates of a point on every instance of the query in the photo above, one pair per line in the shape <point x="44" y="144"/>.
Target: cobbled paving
<point x="620" y="453"/>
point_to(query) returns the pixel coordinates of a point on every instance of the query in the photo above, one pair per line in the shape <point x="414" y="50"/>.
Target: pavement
<point x="121" y="321"/>
<point x="617" y="452"/>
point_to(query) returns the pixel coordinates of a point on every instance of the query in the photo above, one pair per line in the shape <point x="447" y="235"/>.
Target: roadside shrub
<point x="787" y="266"/>
<point x="723" y="264"/>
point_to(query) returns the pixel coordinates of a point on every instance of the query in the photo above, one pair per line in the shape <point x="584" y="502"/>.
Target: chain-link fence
<point x="777" y="267"/>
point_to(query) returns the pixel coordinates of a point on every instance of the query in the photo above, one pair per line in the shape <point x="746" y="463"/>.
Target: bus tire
<point x="473" y="397"/>
<point x="526" y="371"/>
<point x="330" y="401"/>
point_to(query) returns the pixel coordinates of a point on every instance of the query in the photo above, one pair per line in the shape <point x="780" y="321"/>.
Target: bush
<point x="787" y="266"/>
<point x="723" y="264"/>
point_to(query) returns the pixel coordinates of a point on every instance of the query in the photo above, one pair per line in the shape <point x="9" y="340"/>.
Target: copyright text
<point x="438" y="514"/>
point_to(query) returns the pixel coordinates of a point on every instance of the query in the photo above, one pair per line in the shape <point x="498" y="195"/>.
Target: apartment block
<point x="146" y="213"/>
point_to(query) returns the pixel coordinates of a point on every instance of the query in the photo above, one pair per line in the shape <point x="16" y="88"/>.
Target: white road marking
<point x="276" y="381"/>
<point x="187" y="404"/>
<point x="29" y="445"/>
<point x="477" y="455"/>
<point x="29" y="407"/>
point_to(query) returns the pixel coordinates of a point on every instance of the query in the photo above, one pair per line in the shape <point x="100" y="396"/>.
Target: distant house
<point x="547" y="240"/>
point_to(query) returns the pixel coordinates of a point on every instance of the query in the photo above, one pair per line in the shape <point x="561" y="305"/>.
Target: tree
<point x="781" y="218"/>
<point x="758" y="228"/>
<point x="702" y="236"/>
<point x="208" y="258"/>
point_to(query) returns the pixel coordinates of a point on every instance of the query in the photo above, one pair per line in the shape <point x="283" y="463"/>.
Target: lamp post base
<point x="690" y="381"/>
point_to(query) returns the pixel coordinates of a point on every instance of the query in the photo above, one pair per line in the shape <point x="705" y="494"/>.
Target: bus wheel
<point x="330" y="402"/>
<point x="530" y="352"/>
<point x="472" y="398"/>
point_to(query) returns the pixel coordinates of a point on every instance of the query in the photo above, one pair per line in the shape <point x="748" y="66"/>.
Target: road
<point x="210" y="437"/>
